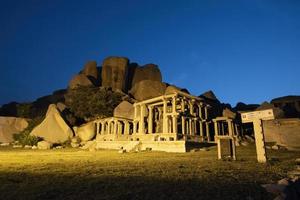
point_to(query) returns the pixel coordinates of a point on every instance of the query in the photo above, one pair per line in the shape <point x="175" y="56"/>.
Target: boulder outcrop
<point x="53" y="128"/>
<point x="86" y="131"/>
<point x="43" y="145"/>
<point x="173" y="89"/>
<point x="124" y="110"/>
<point x="114" y="73"/>
<point x="146" y="72"/>
<point x="228" y="113"/>
<point x="80" y="80"/>
<point x="147" y="89"/>
<point x="90" y="70"/>
<point x="10" y="126"/>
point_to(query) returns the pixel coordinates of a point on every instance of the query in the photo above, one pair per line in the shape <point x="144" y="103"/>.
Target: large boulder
<point x="124" y="110"/>
<point x="147" y="72"/>
<point x="147" y="89"/>
<point x="173" y="89"/>
<point x="209" y="95"/>
<point x="10" y="126"/>
<point x="53" y="128"/>
<point x="114" y="73"/>
<point x="91" y="71"/>
<point x="228" y="113"/>
<point x="44" y="145"/>
<point x="80" y="80"/>
<point x="86" y="131"/>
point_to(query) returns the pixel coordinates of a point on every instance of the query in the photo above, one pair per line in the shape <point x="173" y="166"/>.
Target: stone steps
<point x="131" y="146"/>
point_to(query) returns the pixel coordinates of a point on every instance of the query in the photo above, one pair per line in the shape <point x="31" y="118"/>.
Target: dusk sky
<point x="245" y="51"/>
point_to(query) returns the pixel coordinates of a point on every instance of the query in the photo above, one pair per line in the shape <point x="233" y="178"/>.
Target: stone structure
<point x="163" y="123"/>
<point x="226" y="132"/>
<point x="284" y="132"/>
<point x="257" y="118"/>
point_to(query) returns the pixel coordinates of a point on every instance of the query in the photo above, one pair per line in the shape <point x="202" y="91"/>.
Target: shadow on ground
<point x="93" y="186"/>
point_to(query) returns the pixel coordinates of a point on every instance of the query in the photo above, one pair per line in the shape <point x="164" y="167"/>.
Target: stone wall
<point x="285" y="132"/>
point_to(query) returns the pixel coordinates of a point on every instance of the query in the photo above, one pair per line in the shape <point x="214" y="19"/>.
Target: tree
<point x="92" y="102"/>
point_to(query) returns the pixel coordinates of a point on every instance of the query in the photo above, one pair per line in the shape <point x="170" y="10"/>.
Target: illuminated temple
<point x="164" y="123"/>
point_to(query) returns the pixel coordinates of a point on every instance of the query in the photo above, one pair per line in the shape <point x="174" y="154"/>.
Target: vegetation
<point x="92" y="102"/>
<point x="76" y="174"/>
<point x="24" y="138"/>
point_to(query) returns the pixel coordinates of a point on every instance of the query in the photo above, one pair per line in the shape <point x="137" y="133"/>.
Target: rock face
<point x="209" y="95"/>
<point x="44" y="145"/>
<point x="228" y="113"/>
<point x="114" y="73"/>
<point x="124" y="110"/>
<point x="80" y="80"/>
<point x="86" y="131"/>
<point x="90" y="70"/>
<point x="147" y="72"/>
<point x="10" y="126"/>
<point x="147" y="89"/>
<point x="53" y="129"/>
<point x="173" y="89"/>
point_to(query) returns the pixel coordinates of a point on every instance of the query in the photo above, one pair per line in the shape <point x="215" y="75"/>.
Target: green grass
<point x="78" y="174"/>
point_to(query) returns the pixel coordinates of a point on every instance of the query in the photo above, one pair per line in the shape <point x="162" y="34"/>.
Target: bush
<point x="92" y="102"/>
<point x="24" y="138"/>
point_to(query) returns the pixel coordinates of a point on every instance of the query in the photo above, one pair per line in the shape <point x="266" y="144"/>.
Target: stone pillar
<point x="115" y="127"/>
<point x="165" y="119"/>
<point x="104" y="129"/>
<point x="216" y="127"/>
<point x="200" y="111"/>
<point x="174" y="123"/>
<point x="190" y="127"/>
<point x="108" y="128"/>
<point x="174" y="105"/>
<point x="219" y="149"/>
<point x="142" y="123"/>
<point x="126" y="128"/>
<point x="230" y="130"/>
<point x="183" y="125"/>
<point x="201" y="129"/>
<point x="134" y="127"/>
<point x="207" y="132"/>
<point x="259" y="141"/>
<point x="119" y="128"/>
<point x="97" y="128"/>
<point x="191" y="108"/>
<point x="206" y="113"/>
<point x="150" y="120"/>
<point x="182" y="105"/>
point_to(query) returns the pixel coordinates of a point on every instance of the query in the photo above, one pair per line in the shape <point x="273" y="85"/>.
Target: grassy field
<point x="78" y="174"/>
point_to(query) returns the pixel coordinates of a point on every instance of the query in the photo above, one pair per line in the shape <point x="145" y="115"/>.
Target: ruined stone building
<point x="166" y="123"/>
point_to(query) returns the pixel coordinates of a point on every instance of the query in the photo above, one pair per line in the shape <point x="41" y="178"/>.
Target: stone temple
<point x="164" y="123"/>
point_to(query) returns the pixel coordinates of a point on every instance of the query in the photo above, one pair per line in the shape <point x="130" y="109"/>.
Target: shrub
<point x="92" y="102"/>
<point x="24" y="138"/>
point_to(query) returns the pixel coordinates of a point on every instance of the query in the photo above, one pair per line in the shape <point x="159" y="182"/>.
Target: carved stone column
<point x="150" y="120"/>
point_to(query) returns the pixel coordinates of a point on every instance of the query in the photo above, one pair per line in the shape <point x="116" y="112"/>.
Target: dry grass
<point x="76" y="174"/>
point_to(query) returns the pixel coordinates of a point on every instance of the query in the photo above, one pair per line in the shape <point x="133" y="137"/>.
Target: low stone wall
<point x="167" y="146"/>
<point x="285" y="132"/>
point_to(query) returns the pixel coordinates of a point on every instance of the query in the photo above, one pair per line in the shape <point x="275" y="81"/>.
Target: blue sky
<point x="245" y="51"/>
